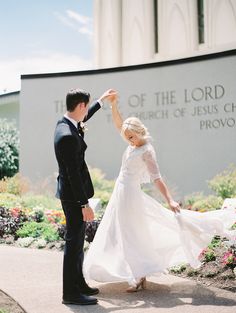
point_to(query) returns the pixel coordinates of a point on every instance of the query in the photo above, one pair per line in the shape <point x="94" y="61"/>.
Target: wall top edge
<point x="131" y="67"/>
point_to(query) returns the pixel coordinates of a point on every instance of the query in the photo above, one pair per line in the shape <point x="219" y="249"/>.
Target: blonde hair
<point x="135" y="125"/>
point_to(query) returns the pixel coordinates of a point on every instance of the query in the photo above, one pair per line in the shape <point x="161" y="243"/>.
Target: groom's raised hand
<point x="108" y="94"/>
<point x="88" y="214"/>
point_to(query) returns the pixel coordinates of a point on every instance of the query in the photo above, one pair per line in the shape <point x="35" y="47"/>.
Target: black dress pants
<point x="73" y="279"/>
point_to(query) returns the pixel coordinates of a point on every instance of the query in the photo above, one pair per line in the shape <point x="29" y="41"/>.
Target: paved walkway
<point x="33" y="278"/>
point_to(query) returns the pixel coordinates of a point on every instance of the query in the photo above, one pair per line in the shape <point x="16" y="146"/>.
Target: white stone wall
<point x="137" y="31"/>
<point x="178" y="32"/>
<point x="125" y="32"/>
<point x="107" y="23"/>
<point x="220" y="23"/>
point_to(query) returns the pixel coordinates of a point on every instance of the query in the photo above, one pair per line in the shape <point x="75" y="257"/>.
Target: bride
<point x="137" y="236"/>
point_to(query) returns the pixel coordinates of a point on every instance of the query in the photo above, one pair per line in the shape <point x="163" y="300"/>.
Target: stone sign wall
<point x="189" y="107"/>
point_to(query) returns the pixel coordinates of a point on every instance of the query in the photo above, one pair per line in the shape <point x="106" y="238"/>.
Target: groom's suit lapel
<point x="75" y="132"/>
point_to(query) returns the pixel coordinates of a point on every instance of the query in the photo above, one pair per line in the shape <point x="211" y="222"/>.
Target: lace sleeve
<point x="149" y="158"/>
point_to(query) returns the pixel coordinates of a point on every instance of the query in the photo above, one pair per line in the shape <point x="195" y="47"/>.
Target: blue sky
<point x="44" y="36"/>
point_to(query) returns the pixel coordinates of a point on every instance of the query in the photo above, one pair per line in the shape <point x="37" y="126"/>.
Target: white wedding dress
<point x="139" y="237"/>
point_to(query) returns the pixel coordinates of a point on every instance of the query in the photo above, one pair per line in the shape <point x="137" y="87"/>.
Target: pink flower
<point x="15" y="212"/>
<point x="229" y="258"/>
<point x="201" y="255"/>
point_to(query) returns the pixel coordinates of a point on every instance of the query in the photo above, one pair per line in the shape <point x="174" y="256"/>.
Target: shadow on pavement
<point x="113" y="297"/>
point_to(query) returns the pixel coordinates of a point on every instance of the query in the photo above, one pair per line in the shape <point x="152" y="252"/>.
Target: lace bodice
<point x="139" y="164"/>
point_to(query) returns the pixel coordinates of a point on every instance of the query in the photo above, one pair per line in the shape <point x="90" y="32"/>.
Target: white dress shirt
<point x="74" y="122"/>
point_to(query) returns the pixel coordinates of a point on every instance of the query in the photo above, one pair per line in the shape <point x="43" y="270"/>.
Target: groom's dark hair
<point x="76" y="96"/>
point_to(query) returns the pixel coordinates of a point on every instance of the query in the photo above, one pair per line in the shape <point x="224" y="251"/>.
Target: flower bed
<point x="31" y="227"/>
<point x="218" y="267"/>
<point x="37" y="227"/>
<point x="37" y="221"/>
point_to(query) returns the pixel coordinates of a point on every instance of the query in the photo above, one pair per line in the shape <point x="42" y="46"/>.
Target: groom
<point x="74" y="188"/>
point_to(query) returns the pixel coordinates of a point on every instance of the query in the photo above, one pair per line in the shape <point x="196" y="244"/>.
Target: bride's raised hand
<point x="116" y="116"/>
<point x="113" y="99"/>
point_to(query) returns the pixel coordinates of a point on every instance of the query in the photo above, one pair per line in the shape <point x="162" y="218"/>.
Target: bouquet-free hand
<point x="174" y="206"/>
<point x="88" y="214"/>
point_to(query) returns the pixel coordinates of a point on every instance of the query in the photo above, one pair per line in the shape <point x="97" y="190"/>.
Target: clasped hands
<point x="110" y="95"/>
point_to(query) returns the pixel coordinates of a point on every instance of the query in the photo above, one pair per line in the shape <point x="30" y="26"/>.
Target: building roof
<point x="9" y="97"/>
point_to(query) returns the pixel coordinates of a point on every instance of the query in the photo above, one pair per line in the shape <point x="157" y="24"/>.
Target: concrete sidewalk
<point x="34" y="279"/>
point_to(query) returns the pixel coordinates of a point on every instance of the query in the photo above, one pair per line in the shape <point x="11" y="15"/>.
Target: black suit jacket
<point x="74" y="181"/>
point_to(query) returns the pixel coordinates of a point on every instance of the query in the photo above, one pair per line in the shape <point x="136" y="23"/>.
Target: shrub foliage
<point x="9" y="149"/>
<point x="224" y="184"/>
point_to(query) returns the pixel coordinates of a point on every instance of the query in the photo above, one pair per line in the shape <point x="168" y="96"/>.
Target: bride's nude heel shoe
<point x="142" y="284"/>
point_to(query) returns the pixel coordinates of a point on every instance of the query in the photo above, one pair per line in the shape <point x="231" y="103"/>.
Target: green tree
<point x="9" y="149"/>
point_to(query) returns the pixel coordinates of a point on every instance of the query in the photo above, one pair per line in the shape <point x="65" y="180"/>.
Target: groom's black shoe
<point x="79" y="300"/>
<point x="89" y="291"/>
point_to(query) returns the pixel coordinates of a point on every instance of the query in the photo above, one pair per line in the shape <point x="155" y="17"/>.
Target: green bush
<point x="178" y="269"/>
<point x="38" y="230"/>
<point x="207" y="255"/>
<point x="47" y="202"/>
<point x="9" y="201"/>
<point x="37" y="214"/>
<point x="103" y="187"/>
<point x="104" y="197"/>
<point x="192" y="272"/>
<point x="208" y="203"/>
<point x="224" y="184"/>
<point x="29" y="201"/>
<point x="15" y="185"/>
<point x="215" y="243"/>
<point x="192" y="198"/>
<point x="202" y="203"/>
<point x="210" y="255"/>
<point x="9" y="149"/>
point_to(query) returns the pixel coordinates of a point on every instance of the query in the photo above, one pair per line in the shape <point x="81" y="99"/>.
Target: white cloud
<point x="79" y="18"/>
<point x="82" y="24"/>
<point x="85" y="30"/>
<point x="12" y="69"/>
<point x="64" y="20"/>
